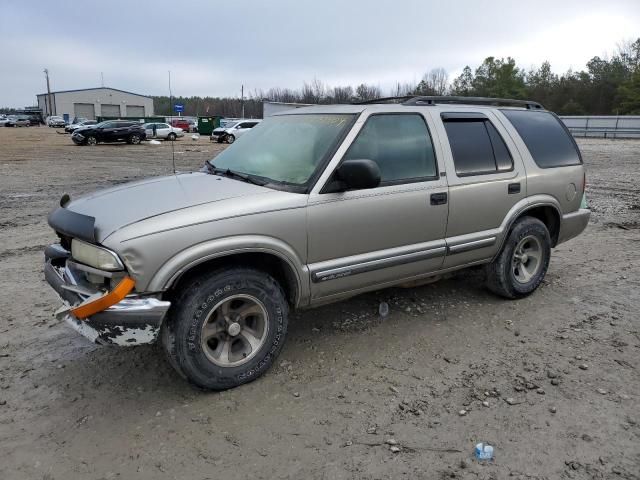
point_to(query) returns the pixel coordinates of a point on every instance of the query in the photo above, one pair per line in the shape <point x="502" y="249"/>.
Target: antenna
<point x="173" y="148"/>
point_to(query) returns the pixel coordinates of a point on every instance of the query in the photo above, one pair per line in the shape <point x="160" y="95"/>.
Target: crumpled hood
<point x="117" y="207"/>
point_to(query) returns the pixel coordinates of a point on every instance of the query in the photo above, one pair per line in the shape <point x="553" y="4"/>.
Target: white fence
<point x="627" y="126"/>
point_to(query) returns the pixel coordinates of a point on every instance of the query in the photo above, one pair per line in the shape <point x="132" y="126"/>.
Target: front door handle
<point x="439" y="198"/>
<point x="514" y="188"/>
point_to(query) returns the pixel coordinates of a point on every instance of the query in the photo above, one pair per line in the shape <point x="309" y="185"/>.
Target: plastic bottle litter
<point x="383" y="309"/>
<point x="484" y="451"/>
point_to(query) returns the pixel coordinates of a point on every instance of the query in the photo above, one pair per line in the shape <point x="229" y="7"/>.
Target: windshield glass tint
<point x="285" y="148"/>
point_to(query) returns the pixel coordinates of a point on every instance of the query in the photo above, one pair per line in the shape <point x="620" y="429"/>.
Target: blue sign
<point x="178" y="108"/>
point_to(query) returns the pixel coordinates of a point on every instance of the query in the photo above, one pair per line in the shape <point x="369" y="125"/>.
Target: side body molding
<point x="177" y="265"/>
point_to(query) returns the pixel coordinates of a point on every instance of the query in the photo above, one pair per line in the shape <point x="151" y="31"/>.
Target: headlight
<point x="95" y="256"/>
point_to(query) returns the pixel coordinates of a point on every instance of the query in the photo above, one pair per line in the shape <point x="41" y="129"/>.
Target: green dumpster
<point x="207" y="124"/>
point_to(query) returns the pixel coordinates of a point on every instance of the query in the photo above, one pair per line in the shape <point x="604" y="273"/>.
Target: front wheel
<point x="522" y="264"/>
<point x="230" y="139"/>
<point x="134" y="139"/>
<point x="171" y="137"/>
<point x="92" y="141"/>
<point x="226" y="327"/>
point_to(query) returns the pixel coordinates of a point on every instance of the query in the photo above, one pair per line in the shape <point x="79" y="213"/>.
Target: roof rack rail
<point x="401" y="99"/>
<point x="433" y="100"/>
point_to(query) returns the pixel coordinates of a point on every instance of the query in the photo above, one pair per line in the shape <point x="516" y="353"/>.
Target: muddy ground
<point x="567" y="358"/>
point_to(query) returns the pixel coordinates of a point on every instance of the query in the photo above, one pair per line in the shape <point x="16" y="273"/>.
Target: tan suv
<point x="313" y="206"/>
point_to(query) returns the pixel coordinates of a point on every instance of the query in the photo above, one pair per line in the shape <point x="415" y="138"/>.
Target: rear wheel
<point x="230" y="139"/>
<point x="226" y="327"/>
<point x="522" y="264"/>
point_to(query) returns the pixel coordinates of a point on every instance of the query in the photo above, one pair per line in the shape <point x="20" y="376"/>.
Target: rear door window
<point x="476" y="145"/>
<point x="547" y="139"/>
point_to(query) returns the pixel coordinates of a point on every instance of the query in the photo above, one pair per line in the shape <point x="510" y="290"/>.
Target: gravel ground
<point x="551" y="381"/>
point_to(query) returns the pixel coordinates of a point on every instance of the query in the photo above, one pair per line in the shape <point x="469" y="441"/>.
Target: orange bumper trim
<point x="121" y="290"/>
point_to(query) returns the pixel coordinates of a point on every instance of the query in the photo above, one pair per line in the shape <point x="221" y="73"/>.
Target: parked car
<point x="232" y="131"/>
<point x="317" y="205"/>
<point x="74" y="126"/>
<point x="56" y="122"/>
<point x="17" y="121"/>
<point x="180" y="123"/>
<point x="162" y="130"/>
<point x="193" y="126"/>
<point x="3" y="120"/>
<point x="109" y="131"/>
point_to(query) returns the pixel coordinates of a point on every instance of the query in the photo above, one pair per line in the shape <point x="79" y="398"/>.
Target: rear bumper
<point x="573" y="224"/>
<point x="135" y="320"/>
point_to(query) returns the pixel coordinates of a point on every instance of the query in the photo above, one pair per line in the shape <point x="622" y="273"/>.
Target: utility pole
<point x="46" y="74"/>
<point x="242" y="100"/>
<point x="102" y="78"/>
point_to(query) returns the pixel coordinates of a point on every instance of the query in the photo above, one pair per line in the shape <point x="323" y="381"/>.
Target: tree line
<point x="608" y="86"/>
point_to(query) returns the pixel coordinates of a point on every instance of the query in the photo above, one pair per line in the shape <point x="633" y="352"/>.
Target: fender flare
<point x="522" y="207"/>
<point x="194" y="255"/>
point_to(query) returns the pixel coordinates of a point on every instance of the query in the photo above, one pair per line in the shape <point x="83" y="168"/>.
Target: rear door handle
<point x="514" y="188"/>
<point x="438" y="198"/>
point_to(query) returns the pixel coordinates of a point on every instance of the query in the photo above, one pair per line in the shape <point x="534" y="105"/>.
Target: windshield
<point x="285" y="148"/>
<point x="229" y="125"/>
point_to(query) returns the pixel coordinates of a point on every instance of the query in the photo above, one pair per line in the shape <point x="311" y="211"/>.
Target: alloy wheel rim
<point x="91" y="141"/>
<point x="527" y="259"/>
<point x="235" y="330"/>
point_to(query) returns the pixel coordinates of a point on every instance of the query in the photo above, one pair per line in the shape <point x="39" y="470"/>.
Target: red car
<point x="180" y="123"/>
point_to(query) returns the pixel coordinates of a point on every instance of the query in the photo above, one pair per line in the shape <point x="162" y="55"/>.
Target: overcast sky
<point x="212" y="47"/>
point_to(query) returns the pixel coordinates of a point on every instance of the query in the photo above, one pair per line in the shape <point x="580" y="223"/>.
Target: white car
<point x="231" y="131"/>
<point x="56" y="121"/>
<point x="83" y="123"/>
<point x="162" y="130"/>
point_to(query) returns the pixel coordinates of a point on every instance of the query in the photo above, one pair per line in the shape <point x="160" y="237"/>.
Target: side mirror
<point x="357" y="174"/>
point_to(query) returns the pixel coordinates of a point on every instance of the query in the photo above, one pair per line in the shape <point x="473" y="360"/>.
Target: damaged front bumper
<point x="135" y="320"/>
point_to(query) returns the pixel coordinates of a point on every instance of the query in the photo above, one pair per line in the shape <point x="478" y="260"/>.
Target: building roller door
<point x="84" y="110"/>
<point x="135" y="111"/>
<point x="110" y="110"/>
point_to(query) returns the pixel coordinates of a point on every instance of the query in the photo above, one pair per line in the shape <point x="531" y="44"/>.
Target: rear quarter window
<point x="548" y="141"/>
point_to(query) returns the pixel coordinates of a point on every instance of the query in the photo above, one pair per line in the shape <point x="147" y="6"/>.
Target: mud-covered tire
<point x="182" y="335"/>
<point x="503" y="274"/>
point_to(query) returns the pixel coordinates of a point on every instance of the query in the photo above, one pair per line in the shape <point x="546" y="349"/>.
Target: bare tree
<point x="435" y="82"/>
<point x="367" y="92"/>
<point x="402" y="89"/>
<point x="342" y="94"/>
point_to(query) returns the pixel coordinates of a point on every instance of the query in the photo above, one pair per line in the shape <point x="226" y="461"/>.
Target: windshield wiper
<point x="233" y="174"/>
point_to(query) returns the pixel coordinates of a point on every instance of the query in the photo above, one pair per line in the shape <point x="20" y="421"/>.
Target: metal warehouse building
<point x="92" y="102"/>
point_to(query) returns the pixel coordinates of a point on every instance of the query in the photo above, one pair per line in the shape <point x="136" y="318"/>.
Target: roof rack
<point x="433" y="100"/>
<point x="401" y="99"/>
